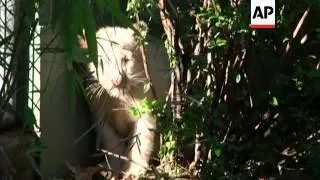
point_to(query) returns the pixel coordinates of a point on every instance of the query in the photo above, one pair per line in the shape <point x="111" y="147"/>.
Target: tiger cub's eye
<point x="125" y="60"/>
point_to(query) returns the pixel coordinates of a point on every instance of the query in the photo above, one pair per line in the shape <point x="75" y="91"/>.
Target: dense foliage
<point x="250" y="97"/>
<point x="247" y="99"/>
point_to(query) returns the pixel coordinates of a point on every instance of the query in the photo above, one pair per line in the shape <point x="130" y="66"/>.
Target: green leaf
<point x="90" y="33"/>
<point x="221" y="42"/>
<point x="134" y="111"/>
<point x="274" y="101"/>
<point x="238" y="78"/>
<point x="217" y="152"/>
<point x="72" y="23"/>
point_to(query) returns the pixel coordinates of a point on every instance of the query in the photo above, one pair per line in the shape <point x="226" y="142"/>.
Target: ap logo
<point x="263" y="14"/>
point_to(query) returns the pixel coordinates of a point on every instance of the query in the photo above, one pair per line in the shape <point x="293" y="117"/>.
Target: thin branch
<point x="146" y="64"/>
<point x="170" y="26"/>
<point x="294" y="34"/>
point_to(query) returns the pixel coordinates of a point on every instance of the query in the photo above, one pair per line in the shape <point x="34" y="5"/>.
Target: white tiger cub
<point x="121" y="78"/>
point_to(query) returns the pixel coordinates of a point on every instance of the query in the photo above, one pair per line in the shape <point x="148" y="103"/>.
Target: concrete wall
<point x="61" y="123"/>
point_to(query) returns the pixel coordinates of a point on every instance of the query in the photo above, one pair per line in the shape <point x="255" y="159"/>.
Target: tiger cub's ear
<point x="138" y="31"/>
<point x="142" y="26"/>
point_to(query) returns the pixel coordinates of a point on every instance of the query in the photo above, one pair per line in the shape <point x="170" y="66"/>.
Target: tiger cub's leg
<point x="112" y="143"/>
<point x="143" y="146"/>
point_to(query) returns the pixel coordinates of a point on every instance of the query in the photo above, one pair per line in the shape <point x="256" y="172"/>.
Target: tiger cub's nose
<point x="118" y="81"/>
